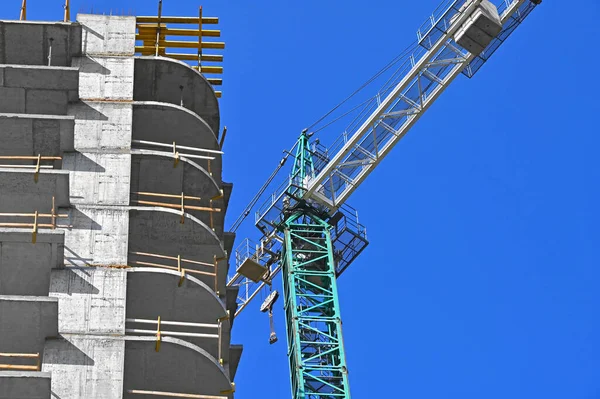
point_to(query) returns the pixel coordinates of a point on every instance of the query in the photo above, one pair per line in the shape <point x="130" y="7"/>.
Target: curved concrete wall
<point x="178" y="367"/>
<point x="160" y="231"/>
<point x="154" y="292"/>
<point x="161" y="79"/>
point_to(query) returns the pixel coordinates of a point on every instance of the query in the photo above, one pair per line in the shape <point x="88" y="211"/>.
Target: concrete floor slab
<point x="179" y="367"/>
<point x="26" y="322"/>
<point x="27" y="42"/>
<point x="159" y="79"/>
<point x="24" y="385"/>
<point x="25" y="267"/>
<point x="32" y="134"/>
<point x="21" y="193"/>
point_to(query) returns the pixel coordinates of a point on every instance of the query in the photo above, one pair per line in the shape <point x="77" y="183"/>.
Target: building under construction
<point x="113" y="251"/>
<point x="113" y="254"/>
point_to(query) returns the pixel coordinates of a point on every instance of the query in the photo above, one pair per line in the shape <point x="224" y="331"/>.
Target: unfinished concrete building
<point x="113" y="254"/>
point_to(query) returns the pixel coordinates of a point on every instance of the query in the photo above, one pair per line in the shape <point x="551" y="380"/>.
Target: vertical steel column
<point x="314" y="328"/>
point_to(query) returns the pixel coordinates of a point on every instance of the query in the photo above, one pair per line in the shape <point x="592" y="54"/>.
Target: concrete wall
<point x="25" y="267"/>
<point x="28" y="42"/>
<point x="160" y="79"/>
<point x="24" y="385"/>
<point x="91" y="300"/>
<point x="27" y="321"/>
<point x="85" y="366"/>
<point x="21" y="193"/>
<point x="36" y="134"/>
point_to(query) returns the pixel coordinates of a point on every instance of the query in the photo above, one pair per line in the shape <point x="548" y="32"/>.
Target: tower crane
<point x="308" y="230"/>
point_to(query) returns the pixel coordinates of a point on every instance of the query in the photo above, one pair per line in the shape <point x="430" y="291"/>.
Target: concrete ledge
<point x="160" y="231"/>
<point x="154" y="292"/>
<point x="33" y="134"/>
<point x="26" y="322"/>
<point x="20" y="192"/>
<point x="25" y="267"/>
<point x="24" y="385"/>
<point x="160" y="78"/>
<point x="27" y="42"/>
<point x="178" y="367"/>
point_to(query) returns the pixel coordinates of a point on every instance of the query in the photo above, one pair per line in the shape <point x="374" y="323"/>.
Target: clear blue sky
<point x="482" y="276"/>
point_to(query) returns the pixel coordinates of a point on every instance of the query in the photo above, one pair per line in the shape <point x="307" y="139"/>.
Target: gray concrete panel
<point x="104" y="78"/>
<point x="28" y="42"/>
<point x="101" y="125"/>
<point x="85" y="366"/>
<point x="23" y="134"/>
<point x="24" y="385"/>
<point x="12" y="100"/>
<point x="20" y="192"/>
<point x="96" y="235"/>
<point x="91" y="299"/>
<point x="159" y="79"/>
<point x="97" y="178"/>
<point x="41" y="77"/>
<point x="178" y="367"/>
<point x="26" y="322"/>
<point x="154" y="292"/>
<point x="48" y="102"/>
<point x="107" y="34"/>
<point x="25" y="267"/>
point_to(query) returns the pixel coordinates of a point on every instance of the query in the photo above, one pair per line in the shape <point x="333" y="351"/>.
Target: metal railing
<point x="181" y="205"/>
<point x="35" y="225"/>
<point x="37" y="166"/>
<point x="174" y="395"/>
<point x="36" y="356"/>
<point x="180" y="265"/>
<point x="203" y="153"/>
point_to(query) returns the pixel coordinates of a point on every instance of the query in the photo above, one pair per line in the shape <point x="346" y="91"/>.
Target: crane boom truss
<point x="357" y="155"/>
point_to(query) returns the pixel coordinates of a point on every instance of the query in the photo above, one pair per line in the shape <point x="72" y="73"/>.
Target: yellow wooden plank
<point x="178" y="20"/>
<point x="150" y="30"/>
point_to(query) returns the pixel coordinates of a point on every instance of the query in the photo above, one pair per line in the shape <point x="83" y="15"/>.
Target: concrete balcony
<point x="171" y="81"/>
<point x="37" y="89"/>
<point x="182" y="303"/>
<point x="159" y="231"/>
<point x="154" y="172"/>
<point x="169" y="123"/>
<point x="25" y="267"/>
<point x="178" y="367"/>
<point x="25" y="323"/>
<point x="24" y="385"/>
<point x="28" y="42"/>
